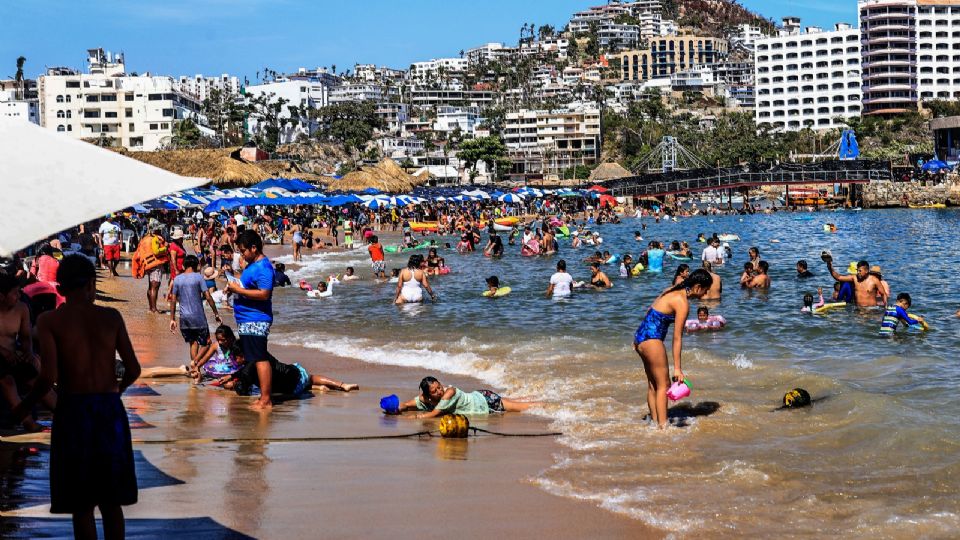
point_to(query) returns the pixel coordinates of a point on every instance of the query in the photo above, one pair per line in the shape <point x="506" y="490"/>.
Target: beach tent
<point x="53" y="182"/>
<point x="511" y="198"/>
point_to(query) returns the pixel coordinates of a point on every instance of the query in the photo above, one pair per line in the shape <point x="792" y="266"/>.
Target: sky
<point x="241" y="37"/>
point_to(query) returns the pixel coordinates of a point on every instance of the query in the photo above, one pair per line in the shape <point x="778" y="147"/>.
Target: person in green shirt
<point x="435" y="400"/>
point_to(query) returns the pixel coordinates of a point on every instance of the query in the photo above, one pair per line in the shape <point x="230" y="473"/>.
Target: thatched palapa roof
<point x="221" y="166"/>
<point x="215" y="164"/>
<point x="609" y="171"/>
<point x="385" y="176"/>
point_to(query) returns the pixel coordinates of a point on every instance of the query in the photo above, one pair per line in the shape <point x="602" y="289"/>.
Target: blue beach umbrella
<point x="511" y="198"/>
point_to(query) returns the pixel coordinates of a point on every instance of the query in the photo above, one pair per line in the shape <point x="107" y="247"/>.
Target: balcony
<point x="888" y="87"/>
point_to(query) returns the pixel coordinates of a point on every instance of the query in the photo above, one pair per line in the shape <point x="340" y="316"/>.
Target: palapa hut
<point x="385" y="176"/>
<point x="608" y="171"/>
<point x="215" y="164"/>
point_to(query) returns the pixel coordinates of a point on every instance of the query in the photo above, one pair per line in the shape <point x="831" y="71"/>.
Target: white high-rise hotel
<point x="911" y="53"/>
<point x="809" y="79"/>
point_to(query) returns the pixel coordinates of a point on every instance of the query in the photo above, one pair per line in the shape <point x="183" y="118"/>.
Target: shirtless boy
<point x="91" y="456"/>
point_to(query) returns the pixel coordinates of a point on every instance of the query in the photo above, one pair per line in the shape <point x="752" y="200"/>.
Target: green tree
<point x="225" y="114"/>
<point x="186" y="134"/>
<point x="266" y="110"/>
<point x="489" y="150"/>
<point x="351" y="124"/>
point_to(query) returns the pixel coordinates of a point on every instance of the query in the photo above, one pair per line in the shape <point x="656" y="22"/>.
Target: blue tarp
<point x="935" y="165"/>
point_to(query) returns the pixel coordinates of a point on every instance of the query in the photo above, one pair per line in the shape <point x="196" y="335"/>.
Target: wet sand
<point x="253" y="483"/>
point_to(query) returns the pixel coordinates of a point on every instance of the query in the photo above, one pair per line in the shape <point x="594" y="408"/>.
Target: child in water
<point x="394" y="276"/>
<point x="897" y="313"/>
<point x="493" y="286"/>
<point x="705" y="321"/>
<point x="349" y="275"/>
<point x="808" y="305"/>
<point x="747" y="276"/>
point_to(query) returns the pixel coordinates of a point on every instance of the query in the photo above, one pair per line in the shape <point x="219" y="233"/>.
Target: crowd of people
<point x="48" y="312"/>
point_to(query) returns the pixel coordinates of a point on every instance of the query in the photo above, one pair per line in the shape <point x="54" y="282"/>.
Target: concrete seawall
<point x="903" y="194"/>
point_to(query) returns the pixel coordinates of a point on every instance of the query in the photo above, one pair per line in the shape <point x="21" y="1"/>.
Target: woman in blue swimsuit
<point x="672" y="305"/>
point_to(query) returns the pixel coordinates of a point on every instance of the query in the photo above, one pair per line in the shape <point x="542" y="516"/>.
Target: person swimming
<point x="808" y="305"/>
<point x="897" y="313"/>
<point x="705" y="321"/>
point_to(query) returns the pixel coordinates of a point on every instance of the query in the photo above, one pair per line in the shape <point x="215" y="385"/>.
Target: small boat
<point x="935" y="205"/>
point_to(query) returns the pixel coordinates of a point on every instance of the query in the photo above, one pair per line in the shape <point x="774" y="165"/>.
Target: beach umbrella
<point x="52" y="182"/>
<point x="511" y="198"/>
<point x="376" y="204"/>
<point x="598" y="189"/>
<point x="935" y="165"/>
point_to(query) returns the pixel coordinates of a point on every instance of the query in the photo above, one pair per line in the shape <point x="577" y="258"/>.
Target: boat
<point x="934" y="205"/>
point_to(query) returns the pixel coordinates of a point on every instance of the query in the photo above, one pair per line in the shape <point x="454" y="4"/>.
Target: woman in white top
<point x="408" y="286"/>
<point x="561" y="283"/>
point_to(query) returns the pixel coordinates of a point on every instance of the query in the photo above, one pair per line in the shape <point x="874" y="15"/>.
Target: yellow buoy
<point x="798" y="397"/>
<point x="454" y="426"/>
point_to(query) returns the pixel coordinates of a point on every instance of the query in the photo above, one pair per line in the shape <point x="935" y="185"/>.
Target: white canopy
<point x="52" y="181"/>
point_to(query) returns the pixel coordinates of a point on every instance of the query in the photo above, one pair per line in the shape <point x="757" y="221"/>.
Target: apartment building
<point x="450" y="119"/>
<point x="746" y="35"/>
<point x="489" y="52"/>
<point x="550" y="141"/>
<point x="20" y="103"/>
<point x="200" y="86"/>
<point x="617" y="37"/>
<point x="308" y="92"/>
<point x="361" y="92"/>
<point x="668" y="55"/>
<point x="911" y="53"/>
<point x="550" y="45"/>
<point x="645" y="15"/>
<point x="382" y="74"/>
<point x="136" y="112"/>
<point x="437" y="68"/>
<point x="393" y="116"/>
<point x="424" y="97"/>
<point x="810" y="79"/>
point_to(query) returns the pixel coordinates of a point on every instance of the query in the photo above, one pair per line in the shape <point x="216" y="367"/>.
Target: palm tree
<point x="19" y="76"/>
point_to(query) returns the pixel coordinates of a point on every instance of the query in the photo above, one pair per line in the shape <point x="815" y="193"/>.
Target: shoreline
<point x="371" y="488"/>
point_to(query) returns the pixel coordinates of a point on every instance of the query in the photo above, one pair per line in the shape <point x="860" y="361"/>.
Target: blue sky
<point x="240" y="37"/>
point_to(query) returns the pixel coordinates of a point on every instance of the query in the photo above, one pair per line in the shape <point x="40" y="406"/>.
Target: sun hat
<point x="210" y="272"/>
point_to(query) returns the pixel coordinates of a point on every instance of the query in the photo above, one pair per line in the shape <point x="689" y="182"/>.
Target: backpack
<point x="159" y="246"/>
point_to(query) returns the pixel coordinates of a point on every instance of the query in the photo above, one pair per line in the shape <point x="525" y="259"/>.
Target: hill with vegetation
<point x="713" y="17"/>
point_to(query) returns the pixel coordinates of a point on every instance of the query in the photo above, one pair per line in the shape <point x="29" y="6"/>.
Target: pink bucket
<point x="678" y="390"/>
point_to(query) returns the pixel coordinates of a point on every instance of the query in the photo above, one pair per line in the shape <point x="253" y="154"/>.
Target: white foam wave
<point x="397" y="354"/>
<point x="632" y="503"/>
<point x="740" y="361"/>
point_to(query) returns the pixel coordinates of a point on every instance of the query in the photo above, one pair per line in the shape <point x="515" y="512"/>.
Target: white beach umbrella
<point x="52" y="182"/>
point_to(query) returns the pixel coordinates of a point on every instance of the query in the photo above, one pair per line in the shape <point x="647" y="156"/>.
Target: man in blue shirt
<point x="253" y="310"/>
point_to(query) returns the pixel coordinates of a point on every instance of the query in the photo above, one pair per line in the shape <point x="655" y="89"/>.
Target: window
<point x="92" y="113"/>
<point x="110" y="114"/>
<point x="69" y="115"/>
<point x="168" y="113"/>
<point x="136" y="142"/>
<point x="131" y="127"/>
<point x="128" y="96"/>
<point x="68" y="99"/>
<point x="60" y="114"/>
<point x="165" y="125"/>
<point x="108" y="97"/>
<point x="155" y="97"/>
<point x="93" y="98"/>
<point x="69" y="127"/>
<point x="73" y="84"/>
<point x="128" y="113"/>
<point x="59" y="99"/>
<point x="61" y="128"/>
<point x="153" y="127"/>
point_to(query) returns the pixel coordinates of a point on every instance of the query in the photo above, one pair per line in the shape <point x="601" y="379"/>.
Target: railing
<point x="650" y="187"/>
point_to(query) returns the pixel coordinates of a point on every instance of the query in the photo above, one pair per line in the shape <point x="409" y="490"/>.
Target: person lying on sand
<point x="435" y="400"/>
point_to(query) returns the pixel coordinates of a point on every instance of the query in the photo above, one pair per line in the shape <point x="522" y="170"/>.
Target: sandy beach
<point x="253" y="483"/>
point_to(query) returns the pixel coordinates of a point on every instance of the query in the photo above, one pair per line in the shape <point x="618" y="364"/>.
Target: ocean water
<point x="875" y="455"/>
